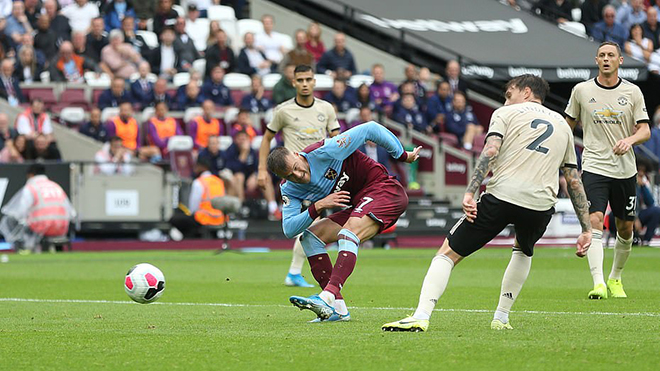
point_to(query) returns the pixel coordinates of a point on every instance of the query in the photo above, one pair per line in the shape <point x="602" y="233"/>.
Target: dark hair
<point x="36" y="169"/>
<point x="303" y="68"/>
<point x="537" y="85"/>
<point x="203" y="163"/>
<point x="604" y="43"/>
<point x="160" y="102"/>
<point x="631" y="29"/>
<point x="277" y="159"/>
<point x="124" y="101"/>
<point x="37" y="99"/>
<point x="115" y="138"/>
<point x="440" y="82"/>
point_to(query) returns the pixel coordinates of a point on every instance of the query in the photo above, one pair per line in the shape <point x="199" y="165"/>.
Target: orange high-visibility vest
<point x="30" y="117"/>
<point x="206" y="214"/>
<point x="127" y="131"/>
<point x="48" y="215"/>
<point x="206" y="130"/>
<point x="164" y="128"/>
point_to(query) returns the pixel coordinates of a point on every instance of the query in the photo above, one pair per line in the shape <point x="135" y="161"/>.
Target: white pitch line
<point x="74" y="301"/>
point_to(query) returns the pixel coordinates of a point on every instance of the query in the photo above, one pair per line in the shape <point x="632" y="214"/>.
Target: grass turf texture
<point x="269" y="333"/>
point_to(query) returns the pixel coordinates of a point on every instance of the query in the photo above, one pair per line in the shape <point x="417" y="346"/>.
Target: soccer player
<point x="304" y="120"/>
<point x="614" y="118"/>
<point x="330" y="174"/>
<point x="525" y="146"/>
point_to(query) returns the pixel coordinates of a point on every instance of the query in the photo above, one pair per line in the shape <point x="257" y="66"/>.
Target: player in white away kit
<point x="304" y="120"/>
<point x="525" y="146"/>
<point x="614" y="118"/>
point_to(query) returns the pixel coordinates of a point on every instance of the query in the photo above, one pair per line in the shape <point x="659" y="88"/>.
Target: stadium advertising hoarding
<point x="492" y="40"/>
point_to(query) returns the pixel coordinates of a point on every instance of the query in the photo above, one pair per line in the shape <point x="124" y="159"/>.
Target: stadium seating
<point x="237" y="81"/>
<point x="73" y="115"/>
<point x="270" y="80"/>
<point x="181" y="78"/>
<point x="150" y="38"/>
<point x="356" y="80"/>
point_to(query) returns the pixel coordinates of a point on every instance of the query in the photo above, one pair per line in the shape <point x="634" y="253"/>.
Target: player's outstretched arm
<point x="343" y="145"/>
<point x="642" y="134"/>
<point x="264" y="150"/>
<point x="581" y="206"/>
<point x="488" y="155"/>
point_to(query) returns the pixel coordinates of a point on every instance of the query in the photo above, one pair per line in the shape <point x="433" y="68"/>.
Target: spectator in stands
<point x="14" y="151"/>
<point x="462" y="122"/>
<point x="648" y="213"/>
<point x="383" y="92"/>
<point x="256" y="101"/>
<point x="314" y="43"/>
<point x="58" y="23"/>
<point x="34" y="120"/>
<point x="214" y="27"/>
<point x="407" y="88"/>
<point x="144" y="10"/>
<point x="79" y="42"/>
<point x="219" y="54"/>
<point x="32" y="11"/>
<point x="412" y="77"/>
<point x="126" y="127"/>
<point x="137" y="41"/>
<point x="592" y="13"/>
<point x="340" y="97"/>
<point x="197" y="27"/>
<point x="113" y="158"/>
<point x="94" y="128"/>
<point x="608" y="29"/>
<point x="299" y="55"/>
<point x="5" y="44"/>
<point x="439" y="106"/>
<point x="377" y="153"/>
<point x="190" y="96"/>
<point x="161" y="127"/>
<point x="185" y="43"/>
<point x="160" y="94"/>
<point x="81" y="14"/>
<point x="272" y="43"/>
<point x="213" y="155"/>
<point x="10" y="89"/>
<point x="27" y="69"/>
<point x="252" y="60"/>
<point x="43" y="150"/>
<point x="555" y="10"/>
<point x="120" y="57"/>
<point x="410" y="115"/>
<point x="115" y="11"/>
<point x="69" y="67"/>
<point x="17" y="23"/>
<point x="166" y="59"/>
<point x="363" y="97"/>
<point x="46" y="39"/>
<point x="244" y="123"/>
<point x="630" y="13"/>
<point x="97" y="39"/>
<point x="204" y="126"/>
<point x="7" y="133"/>
<point x="650" y="26"/>
<point x="142" y="89"/>
<point x="284" y="89"/>
<point x="215" y="90"/>
<point x="637" y="46"/>
<point x="165" y="16"/>
<point x="365" y="115"/>
<point x="453" y="73"/>
<point x="114" y="96"/>
<point x="653" y="144"/>
<point x="338" y="61"/>
<point x="426" y="79"/>
<point x="28" y="40"/>
<point x="243" y="161"/>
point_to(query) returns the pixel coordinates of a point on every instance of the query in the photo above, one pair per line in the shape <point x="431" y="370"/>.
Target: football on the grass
<point x="144" y="283"/>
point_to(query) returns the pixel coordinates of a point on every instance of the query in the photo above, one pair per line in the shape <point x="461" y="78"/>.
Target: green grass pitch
<point x="238" y="315"/>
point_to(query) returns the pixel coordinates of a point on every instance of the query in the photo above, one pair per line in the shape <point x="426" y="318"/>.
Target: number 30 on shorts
<point x="365" y="201"/>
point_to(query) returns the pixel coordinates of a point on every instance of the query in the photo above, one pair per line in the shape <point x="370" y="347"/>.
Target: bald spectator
<point x="94" y="128"/>
<point x="58" y="23"/>
<point x="160" y="94"/>
<point x="80" y="14"/>
<point x="9" y="88"/>
<point x="270" y="42"/>
<point x="338" y="61"/>
<point x="97" y="39"/>
<point x="119" y="56"/>
<point x="252" y="60"/>
<point x="631" y="12"/>
<point x="142" y="89"/>
<point x="114" y="96"/>
<point x="608" y="29"/>
<point x="69" y="67"/>
<point x="17" y="23"/>
<point x="166" y="59"/>
<point x="453" y="74"/>
<point x="220" y="54"/>
<point x="165" y="16"/>
<point x="300" y="55"/>
<point x="650" y="26"/>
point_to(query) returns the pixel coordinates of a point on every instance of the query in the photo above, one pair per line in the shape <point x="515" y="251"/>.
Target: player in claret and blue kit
<point x="334" y="174"/>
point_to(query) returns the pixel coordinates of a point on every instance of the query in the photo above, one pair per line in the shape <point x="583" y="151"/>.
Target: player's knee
<point x="596" y="220"/>
<point x="312" y="245"/>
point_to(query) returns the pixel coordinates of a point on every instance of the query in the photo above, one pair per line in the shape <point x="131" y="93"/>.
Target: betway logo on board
<point x="513" y="25"/>
<point x="573" y="73"/>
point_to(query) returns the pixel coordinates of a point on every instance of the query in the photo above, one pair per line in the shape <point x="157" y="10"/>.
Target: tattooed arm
<point x="581" y="206"/>
<point x="488" y="155"/>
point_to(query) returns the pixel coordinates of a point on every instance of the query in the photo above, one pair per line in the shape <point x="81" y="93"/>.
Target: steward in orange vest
<point x="125" y="127"/>
<point x="202" y="127"/>
<point x="161" y="128"/>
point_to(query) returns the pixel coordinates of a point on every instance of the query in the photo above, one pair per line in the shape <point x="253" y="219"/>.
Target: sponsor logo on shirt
<point x="607" y="116"/>
<point x="344" y="178"/>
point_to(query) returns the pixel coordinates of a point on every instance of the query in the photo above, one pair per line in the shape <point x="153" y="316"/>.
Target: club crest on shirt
<point x="321" y="117"/>
<point x="344" y="141"/>
<point x="330" y="174"/>
<point x="622" y="101"/>
<point x="285" y="200"/>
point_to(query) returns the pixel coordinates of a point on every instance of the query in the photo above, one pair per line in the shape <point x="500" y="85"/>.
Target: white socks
<point x="434" y="285"/>
<point x="340" y="307"/>
<point x="298" y="259"/>
<point x="621" y="252"/>
<point x="512" y="282"/>
<point x="595" y="256"/>
<point x="328" y="298"/>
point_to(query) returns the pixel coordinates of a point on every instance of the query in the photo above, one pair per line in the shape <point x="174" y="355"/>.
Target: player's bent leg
<point x="595" y="257"/>
<point x="622" y="248"/>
